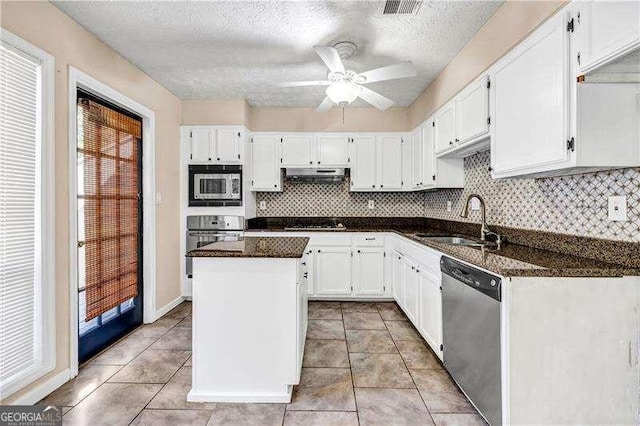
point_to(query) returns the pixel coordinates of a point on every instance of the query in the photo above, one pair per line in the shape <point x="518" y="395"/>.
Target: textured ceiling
<point x="230" y="50"/>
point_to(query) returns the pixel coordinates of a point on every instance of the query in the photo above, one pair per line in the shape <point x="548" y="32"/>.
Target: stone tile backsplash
<point x="575" y="205"/>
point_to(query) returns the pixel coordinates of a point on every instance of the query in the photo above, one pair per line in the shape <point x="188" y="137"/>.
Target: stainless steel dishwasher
<point x="471" y="334"/>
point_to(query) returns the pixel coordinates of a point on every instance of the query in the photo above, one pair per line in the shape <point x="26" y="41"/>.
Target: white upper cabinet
<point x="202" y="144"/>
<point x="445" y="127"/>
<point x="363" y="163"/>
<point x="390" y="162"/>
<point x="297" y="150"/>
<point x="472" y="112"/>
<point x="332" y="150"/>
<point x="418" y="176"/>
<point x="530" y="99"/>
<point x="606" y="30"/>
<point x="265" y="163"/>
<point x="223" y="145"/>
<point x="229" y="145"/>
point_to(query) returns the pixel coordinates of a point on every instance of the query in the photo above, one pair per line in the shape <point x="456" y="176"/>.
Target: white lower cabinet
<point x="430" y="308"/>
<point x="332" y="271"/>
<point x="396" y="277"/>
<point x="410" y="285"/>
<point x="368" y="271"/>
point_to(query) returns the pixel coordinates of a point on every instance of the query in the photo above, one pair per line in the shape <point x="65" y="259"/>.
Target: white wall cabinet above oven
<point x="545" y="123"/>
<point x="216" y="144"/>
<point x="314" y="150"/>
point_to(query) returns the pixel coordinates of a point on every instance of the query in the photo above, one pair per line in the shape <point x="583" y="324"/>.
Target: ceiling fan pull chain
<point x="342" y="115"/>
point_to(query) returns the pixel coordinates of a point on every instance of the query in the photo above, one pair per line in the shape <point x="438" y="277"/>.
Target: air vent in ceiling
<point x="401" y="7"/>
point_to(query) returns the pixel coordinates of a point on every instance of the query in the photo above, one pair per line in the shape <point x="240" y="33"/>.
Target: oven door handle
<point x="196" y="234"/>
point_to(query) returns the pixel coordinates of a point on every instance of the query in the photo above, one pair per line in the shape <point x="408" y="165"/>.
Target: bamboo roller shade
<point x="109" y="153"/>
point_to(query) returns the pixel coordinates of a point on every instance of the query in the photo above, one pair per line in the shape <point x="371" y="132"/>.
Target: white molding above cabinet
<point x="216" y="144"/>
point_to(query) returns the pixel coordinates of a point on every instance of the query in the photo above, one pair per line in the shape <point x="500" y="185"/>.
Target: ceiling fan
<point x="344" y="85"/>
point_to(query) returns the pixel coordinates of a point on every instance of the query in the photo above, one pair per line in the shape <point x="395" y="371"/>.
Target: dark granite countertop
<point x="512" y="259"/>
<point x="274" y="247"/>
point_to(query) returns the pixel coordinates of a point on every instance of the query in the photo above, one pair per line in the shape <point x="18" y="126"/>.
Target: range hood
<point x="315" y="174"/>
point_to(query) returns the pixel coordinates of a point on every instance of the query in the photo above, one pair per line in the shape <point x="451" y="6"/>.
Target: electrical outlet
<point x="449" y="206"/>
<point x="371" y="205"/>
<point x="475" y="204"/>
<point x="263" y="205"/>
<point x="618" y="208"/>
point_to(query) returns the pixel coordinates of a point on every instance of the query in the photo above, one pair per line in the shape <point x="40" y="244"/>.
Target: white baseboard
<point x="284" y="397"/>
<point x="169" y="306"/>
<point x="44" y="389"/>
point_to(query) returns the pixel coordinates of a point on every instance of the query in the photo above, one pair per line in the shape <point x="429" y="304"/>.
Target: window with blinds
<point x="23" y="308"/>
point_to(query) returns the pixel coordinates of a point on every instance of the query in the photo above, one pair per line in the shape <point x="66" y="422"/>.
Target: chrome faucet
<point x="484" y="229"/>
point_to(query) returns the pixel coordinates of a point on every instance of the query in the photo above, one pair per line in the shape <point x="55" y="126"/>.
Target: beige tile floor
<point x="364" y="364"/>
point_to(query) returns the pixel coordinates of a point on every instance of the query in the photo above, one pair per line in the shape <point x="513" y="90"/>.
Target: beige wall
<point x="215" y="112"/>
<point x="307" y="120"/>
<point x="510" y="24"/>
<point x="45" y="26"/>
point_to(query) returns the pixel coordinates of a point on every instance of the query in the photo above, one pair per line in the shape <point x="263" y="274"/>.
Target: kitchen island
<point x="249" y="319"/>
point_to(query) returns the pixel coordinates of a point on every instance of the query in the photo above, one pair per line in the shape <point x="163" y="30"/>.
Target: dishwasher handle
<point x="486" y="283"/>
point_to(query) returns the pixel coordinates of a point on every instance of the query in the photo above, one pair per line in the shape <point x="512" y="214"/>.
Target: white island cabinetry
<point x="249" y="322"/>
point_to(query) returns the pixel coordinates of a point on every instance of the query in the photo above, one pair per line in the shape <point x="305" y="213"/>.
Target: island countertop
<point x="273" y="247"/>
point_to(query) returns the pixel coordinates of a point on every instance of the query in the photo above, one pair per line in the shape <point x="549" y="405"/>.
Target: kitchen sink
<point x="455" y="241"/>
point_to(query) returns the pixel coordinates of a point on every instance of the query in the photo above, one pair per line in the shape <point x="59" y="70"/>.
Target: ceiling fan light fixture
<point x="342" y="93"/>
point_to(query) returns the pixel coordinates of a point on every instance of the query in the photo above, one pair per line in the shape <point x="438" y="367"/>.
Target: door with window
<point x="109" y="175"/>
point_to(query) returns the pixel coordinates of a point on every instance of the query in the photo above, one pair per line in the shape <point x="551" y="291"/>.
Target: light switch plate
<point x="618" y="208"/>
<point x="158" y="197"/>
<point x="371" y="205"/>
<point x="475" y="204"/>
<point x="449" y="206"/>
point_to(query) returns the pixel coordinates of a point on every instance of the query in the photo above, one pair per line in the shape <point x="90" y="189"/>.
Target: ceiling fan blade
<point x="331" y="58"/>
<point x="325" y="106"/>
<point x="304" y="83"/>
<point x="390" y="72"/>
<point x="375" y="99"/>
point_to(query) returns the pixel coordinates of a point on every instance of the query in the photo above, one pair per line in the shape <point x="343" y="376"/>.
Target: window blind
<point x="109" y="155"/>
<point x="20" y="256"/>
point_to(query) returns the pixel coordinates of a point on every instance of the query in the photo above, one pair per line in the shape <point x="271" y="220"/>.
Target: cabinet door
<point x="445" y="127"/>
<point x="530" y="104"/>
<point x="363" y="167"/>
<point x="430" y="317"/>
<point x="472" y="111"/>
<point x="410" y="287"/>
<point x="202" y="144"/>
<point x="368" y="271"/>
<point x="417" y="158"/>
<point x="297" y="150"/>
<point x="396" y="273"/>
<point x="606" y="29"/>
<point x="229" y="145"/>
<point x="429" y="155"/>
<point x="332" y="269"/>
<point x="265" y="163"/>
<point x="390" y="162"/>
<point x="332" y="150"/>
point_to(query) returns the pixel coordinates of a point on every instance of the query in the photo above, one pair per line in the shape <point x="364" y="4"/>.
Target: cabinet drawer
<point x="330" y="239"/>
<point x="368" y="240"/>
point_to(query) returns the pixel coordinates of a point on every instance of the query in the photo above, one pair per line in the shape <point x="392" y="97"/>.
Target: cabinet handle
<point x="381" y="186"/>
<point x="413" y="268"/>
<point x="450" y="143"/>
<point x="490" y="169"/>
<point x="310" y="162"/>
<point x="358" y="251"/>
<point x="318" y="162"/>
<point x="306" y="275"/>
<point x="418" y="270"/>
<point x="373" y="186"/>
<point x="209" y="158"/>
<point x="304" y="263"/>
<point x="275" y="185"/>
<point x="369" y="239"/>
<point x="457" y="140"/>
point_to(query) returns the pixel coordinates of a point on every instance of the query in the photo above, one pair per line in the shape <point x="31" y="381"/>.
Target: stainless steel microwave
<point x="215" y="185"/>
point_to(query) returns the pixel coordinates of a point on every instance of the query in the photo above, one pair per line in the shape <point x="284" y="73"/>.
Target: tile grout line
<point x="353" y="384"/>
<point x="409" y="372"/>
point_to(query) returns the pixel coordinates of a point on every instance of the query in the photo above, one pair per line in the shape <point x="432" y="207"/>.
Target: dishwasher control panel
<point x="482" y="281"/>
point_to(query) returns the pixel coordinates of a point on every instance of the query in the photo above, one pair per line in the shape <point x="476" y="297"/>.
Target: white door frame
<point x="79" y="79"/>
